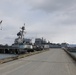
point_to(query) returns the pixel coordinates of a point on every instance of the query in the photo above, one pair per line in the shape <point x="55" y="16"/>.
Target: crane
<point x="0" y="24"/>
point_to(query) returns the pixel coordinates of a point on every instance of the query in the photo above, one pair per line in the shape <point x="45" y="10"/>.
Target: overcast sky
<point x="55" y="20"/>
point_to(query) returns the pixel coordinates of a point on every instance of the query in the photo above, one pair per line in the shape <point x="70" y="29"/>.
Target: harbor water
<point x="3" y="56"/>
<point x="74" y="53"/>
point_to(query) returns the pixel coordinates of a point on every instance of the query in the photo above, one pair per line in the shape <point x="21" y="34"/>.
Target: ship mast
<point x="20" y="34"/>
<point x="22" y="31"/>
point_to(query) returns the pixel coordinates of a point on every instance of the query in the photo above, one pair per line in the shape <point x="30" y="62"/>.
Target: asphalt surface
<point x="52" y="62"/>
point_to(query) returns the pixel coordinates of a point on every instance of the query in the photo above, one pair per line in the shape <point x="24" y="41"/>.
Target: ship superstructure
<point x="20" y="34"/>
<point x="23" y="45"/>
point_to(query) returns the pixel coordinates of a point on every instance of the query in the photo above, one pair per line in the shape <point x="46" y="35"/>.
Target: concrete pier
<point x="52" y="62"/>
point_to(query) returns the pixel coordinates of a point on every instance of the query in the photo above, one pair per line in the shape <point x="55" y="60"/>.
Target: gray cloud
<point x="53" y="19"/>
<point x="51" y="5"/>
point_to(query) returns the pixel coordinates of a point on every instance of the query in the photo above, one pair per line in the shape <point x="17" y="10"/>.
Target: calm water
<point x="74" y="53"/>
<point x="2" y="56"/>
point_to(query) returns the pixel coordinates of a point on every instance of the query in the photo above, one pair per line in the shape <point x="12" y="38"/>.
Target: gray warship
<point x="23" y="44"/>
